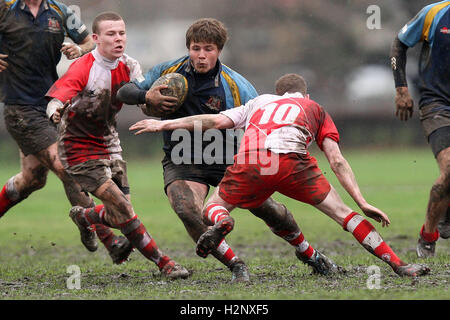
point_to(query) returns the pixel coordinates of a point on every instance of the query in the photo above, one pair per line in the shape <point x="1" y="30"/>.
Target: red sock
<point x="137" y="234"/>
<point x="370" y="239"/>
<point x="94" y="216"/>
<point x="5" y="202"/>
<point x="9" y="197"/>
<point x="215" y="213"/>
<point x="297" y="240"/>
<point x="429" y="237"/>
<point x="225" y="250"/>
<point x="105" y="235"/>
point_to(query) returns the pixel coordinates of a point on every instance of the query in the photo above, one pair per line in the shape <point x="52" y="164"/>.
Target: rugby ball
<point x="177" y="87"/>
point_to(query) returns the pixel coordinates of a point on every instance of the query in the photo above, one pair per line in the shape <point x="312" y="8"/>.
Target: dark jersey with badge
<point x="432" y="27"/>
<point x="33" y="47"/>
<point x="215" y="91"/>
<point x="203" y="97"/>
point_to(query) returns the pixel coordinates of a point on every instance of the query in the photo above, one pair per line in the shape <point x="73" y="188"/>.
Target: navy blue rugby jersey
<point x="33" y="47"/>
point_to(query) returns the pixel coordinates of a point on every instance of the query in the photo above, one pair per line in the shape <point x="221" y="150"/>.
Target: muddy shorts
<point x="297" y="177"/>
<point x="202" y="173"/>
<point x="90" y="175"/>
<point x="439" y="140"/>
<point x="434" y="119"/>
<point x="30" y="128"/>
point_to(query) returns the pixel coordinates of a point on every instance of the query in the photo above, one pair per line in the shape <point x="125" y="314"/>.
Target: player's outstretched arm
<point x="200" y="122"/>
<point x="347" y="179"/>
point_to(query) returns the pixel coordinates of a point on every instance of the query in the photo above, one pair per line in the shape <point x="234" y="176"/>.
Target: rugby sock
<point x="137" y="234"/>
<point x="214" y="214"/>
<point x="370" y="239"/>
<point x="8" y="197"/>
<point x="429" y="237"/>
<point x="94" y="216"/>
<point x="226" y="253"/>
<point x="297" y="240"/>
<point x="105" y="235"/>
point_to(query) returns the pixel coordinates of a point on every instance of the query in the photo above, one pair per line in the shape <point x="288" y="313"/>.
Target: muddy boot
<point x="411" y="270"/>
<point x="120" y="249"/>
<point x="239" y="272"/>
<point x="87" y="233"/>
<point x="425" y="249"/>
<point x="172" y="270"/>
<point x="320" y="264"/>
<point x="211" y="239"/>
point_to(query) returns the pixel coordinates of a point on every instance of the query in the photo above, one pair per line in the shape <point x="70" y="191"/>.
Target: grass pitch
<point x="39" y="243"/>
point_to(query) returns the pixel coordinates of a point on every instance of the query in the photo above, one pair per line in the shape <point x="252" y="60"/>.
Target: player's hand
<point x="71" y="50"/>
<point x="147" y="125"/>
<point x="375" y="214"/>
<point x="56" y="117"/>
<point x="404" y="104"/>
<point x="155" y="99"/>
<point x="3" y="63"/>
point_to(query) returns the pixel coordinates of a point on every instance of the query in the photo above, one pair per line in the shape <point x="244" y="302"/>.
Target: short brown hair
<point x="104" y="16"/>
<point x="291" y="83"/>
<point x="207" y="30"/>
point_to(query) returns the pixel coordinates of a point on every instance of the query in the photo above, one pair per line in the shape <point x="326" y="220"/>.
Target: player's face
<point x="111" y="39"/>
<point x="203" y="56"/>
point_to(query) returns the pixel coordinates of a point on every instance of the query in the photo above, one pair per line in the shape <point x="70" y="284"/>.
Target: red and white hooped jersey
<point x="282" y="124"/>
<point x="88" y="126"/>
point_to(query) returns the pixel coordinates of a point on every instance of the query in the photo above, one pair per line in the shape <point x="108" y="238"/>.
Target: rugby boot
<point x="211" y="239"/>
<point x="444" y="225"/>
<point x="87" y="233"/>
<point x="173" y="270"/>
<point x="239" y="272"/>
<point x="425" y="249"/>
<point x="320" y="263"/>
<point x="120" y="249"/>
<point x="411" y="270"/>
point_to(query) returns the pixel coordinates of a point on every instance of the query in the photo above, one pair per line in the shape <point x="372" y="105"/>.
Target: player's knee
<point x="275" y="214"/>
<point x="36" y="180"/>
<point x="188" y="213"/>
<point x="184" y="205"/>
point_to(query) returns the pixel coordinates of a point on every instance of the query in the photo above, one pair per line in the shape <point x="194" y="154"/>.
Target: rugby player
<point x="279" y="129"/>
<point x="431" y="26"/>
<point x="85" y="105"/>
<point x="31" y="42"/>
<point x="213" y="87"/>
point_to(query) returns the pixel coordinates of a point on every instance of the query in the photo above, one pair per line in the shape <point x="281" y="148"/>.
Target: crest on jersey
<point x="445" y="30"/>
<point x="53" y="25"/>
<point x="214" y="103"/>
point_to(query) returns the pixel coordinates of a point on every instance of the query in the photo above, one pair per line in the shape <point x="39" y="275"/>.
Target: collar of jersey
<point x="106" y="63"/>
<point x="294" y="95"/>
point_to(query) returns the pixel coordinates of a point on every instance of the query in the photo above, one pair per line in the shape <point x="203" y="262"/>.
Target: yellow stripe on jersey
<point x="429" y="19"/>
<point x="234" y="89"/>
<point x="173" y="68"/>
<point x="10" y="3"/>
<point x="57" y="9"/>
